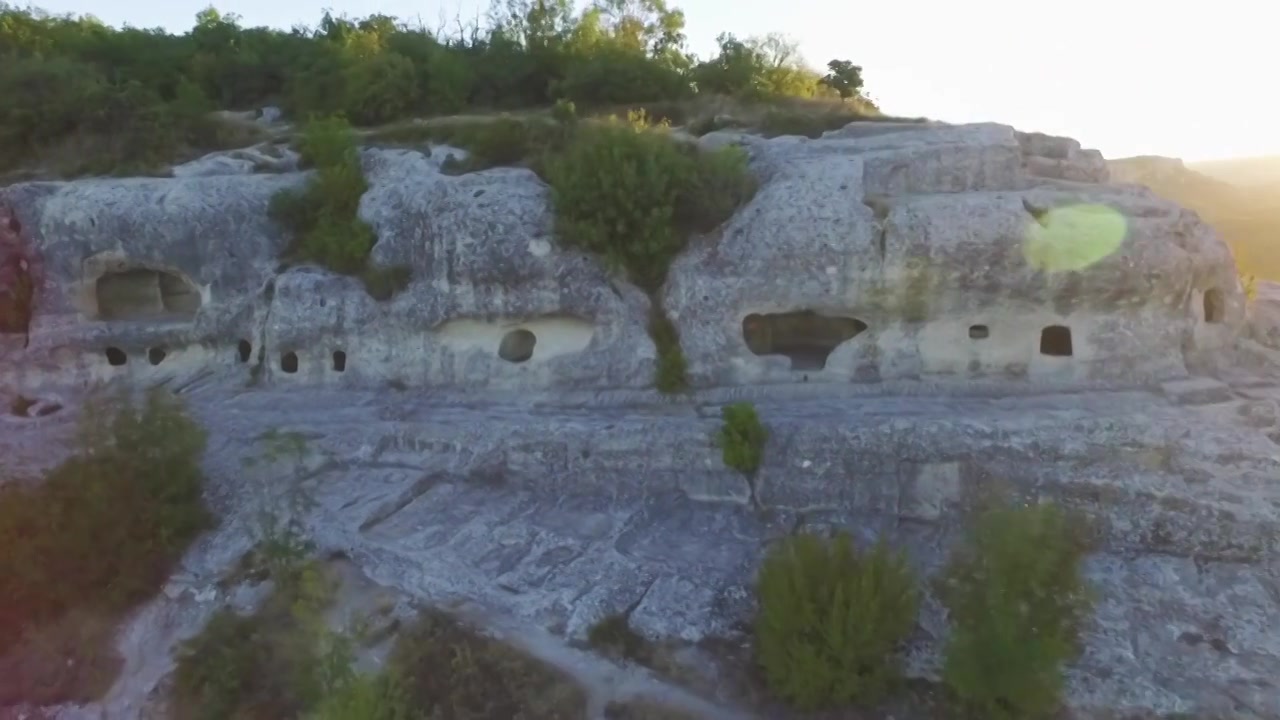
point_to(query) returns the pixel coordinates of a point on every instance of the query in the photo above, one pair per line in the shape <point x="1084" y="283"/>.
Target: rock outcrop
<point x="970" y="252"/>
<point x="922" y="313"/>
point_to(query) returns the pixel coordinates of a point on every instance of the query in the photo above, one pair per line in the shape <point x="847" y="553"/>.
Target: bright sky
<point x="1128" y="77"/>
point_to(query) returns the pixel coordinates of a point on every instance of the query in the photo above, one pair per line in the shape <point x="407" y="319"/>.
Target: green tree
<point x="844" y="77"/>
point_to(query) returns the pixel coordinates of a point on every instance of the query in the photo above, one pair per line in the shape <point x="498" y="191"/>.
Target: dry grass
<point x="453" y="671"/>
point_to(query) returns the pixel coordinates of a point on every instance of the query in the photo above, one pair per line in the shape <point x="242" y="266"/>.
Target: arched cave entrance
<point x="1215" y="306"/>
<point x="144" y="294"/>
<point x="804" y="336"/>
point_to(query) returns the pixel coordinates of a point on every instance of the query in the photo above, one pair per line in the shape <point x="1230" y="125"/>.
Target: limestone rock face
<point x="971" y="251"/>
<point x="921" y="313"/>
<point x="879" y="251"/>
<point x="166" y="278"/>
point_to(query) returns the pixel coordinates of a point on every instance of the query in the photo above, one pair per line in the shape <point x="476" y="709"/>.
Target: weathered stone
<point x="892" y="301"/>
<point x="1197" y="391"/>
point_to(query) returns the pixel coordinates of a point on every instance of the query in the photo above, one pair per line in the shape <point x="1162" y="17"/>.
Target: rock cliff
<point x="920" y="312"/>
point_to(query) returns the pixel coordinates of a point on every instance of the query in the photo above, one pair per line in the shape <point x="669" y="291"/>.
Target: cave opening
<point x="289" y="362"/>
<point x="156" y="355"/>
<point x="145" y="294"/>
<point x="804" y="336"/>
<point x="116" y="357"/>
<point x="517" y="345"/>
<point x="1055" y="340"/>
<point x="244" y="351"/>
<point x="1215" y="306"/>
<point x="339" y="361"/>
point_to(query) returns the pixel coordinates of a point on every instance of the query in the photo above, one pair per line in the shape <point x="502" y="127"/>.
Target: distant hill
<point x="1246" y="172"/>
<point x="1240" y="198"/>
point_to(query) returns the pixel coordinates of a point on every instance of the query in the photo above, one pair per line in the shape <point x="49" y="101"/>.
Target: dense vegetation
<point x="832" y="618"/>
<point x="284" y="662"/>
<point x="631" y="194"/>
<point x="97" y="537"/>
<point x="322" y="217"/>
<point x="84" y="97"/>
<point x="1017" y="599"/>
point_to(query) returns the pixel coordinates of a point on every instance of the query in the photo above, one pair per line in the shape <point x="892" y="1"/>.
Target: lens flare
<point x="1074" y="237"/>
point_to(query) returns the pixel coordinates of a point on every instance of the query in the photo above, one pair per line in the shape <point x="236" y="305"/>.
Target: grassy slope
<point x="1246" y="214"/>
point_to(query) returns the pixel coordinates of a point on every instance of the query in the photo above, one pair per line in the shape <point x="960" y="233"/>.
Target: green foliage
<point x="121" y="100"/>
<point x="831" y="619"/>
<point x="671" y="376"/>
<point x="277" y="663"/>
<point x="380" y="89"/>
<point x="564" y="112"/>
<point x="104" y="528"/>
<point x="98" y="536"/>
<point x="808" y="123"/>
<point x="742" y="437"/>
<point x="384" y="283"/>
<point x="630" y="193"/>
<point x="366" y="697"/>
<point x="323" y="217"/>
<point x="844" y="77"/>
<point x="1017" y="599"/>
<point x="452" y="672"/>
<point x="503" y="141"/>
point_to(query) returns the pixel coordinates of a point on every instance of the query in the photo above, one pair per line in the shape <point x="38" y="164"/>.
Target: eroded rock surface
<point x="962" y="251"/>
<point x="903" y="303"/>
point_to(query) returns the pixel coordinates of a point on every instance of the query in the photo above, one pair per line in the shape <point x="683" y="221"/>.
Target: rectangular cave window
<point x="289" y="362"/>
<point x="1215" y="305"/>
<point x="979" y="332"/>
<point x="339" y="361"/>
<point x="1055" y="340"/>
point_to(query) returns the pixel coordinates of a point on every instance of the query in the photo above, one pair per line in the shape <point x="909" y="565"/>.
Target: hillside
<point x="1235" y="197"/>
<point x="1252" y="172"/>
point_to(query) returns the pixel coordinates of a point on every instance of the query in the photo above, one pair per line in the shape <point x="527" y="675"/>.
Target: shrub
<point x="97" y="537"/>
<point x="631" y="194"/>
<point x="742" y="437"/>
<point x="615" y="189"/>
<point x="380" y="88"/>
<point x="451" y="671"/>
<point x="323" y="217"/>
<point x="383" y="283"/>
<point x="105" y="528"/>
<point x="831" y="619"/>
<point x="564" y="112"/>
<point x="672" y="371"/>
<point x="366" y="697"/>
<point x="277" y="663"/>
<point x="1016" y="598"/>
<point x="611" y="77"/>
